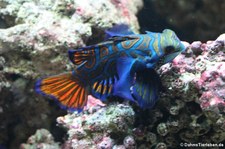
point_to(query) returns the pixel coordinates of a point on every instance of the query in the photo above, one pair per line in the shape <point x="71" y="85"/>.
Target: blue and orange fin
<point x="118" y="30"/>
<point x="126" y="78"/>
<point x="66" y="89"/>
<point x="82" y="55"/>
<point x="146" y="88"/>
<point x="103" y="88"/>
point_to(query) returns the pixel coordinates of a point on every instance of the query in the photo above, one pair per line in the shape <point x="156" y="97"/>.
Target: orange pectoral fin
<point x="65" y="89"/>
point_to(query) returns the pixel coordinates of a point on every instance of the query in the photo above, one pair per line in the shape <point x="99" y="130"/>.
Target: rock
<point x="34" y="39"/>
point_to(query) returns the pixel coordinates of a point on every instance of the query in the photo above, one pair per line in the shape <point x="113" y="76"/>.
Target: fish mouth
<point x="170" y="57"/>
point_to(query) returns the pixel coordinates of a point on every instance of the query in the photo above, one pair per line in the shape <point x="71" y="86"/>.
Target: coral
<point x="34" y="39"/>
<point x="42" y="139"/>
<point x="201" y="72"/>
<point x="195" y="88"/>
<point x="100" y="129"/>
<point x="40" y="27"/>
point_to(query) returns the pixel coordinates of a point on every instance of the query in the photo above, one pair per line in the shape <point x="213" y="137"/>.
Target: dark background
<point x="191" y="19"/>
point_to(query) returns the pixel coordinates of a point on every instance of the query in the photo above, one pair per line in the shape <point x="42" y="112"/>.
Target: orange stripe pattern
<point x="66" y="90"/>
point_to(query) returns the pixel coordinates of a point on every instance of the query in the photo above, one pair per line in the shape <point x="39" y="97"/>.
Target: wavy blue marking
<point x="159" y="44"/>
<point x="151" y="44"/>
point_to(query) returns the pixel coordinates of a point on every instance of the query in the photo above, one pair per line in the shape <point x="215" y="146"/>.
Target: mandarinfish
<point x="123" y="65"/>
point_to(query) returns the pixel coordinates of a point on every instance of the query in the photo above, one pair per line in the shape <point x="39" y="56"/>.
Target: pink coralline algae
<point x="123" y="6"/>
<point x="201" y="73"/>
<point x="213" y="83"/>
<point x="195" y="85"/>
<point x="99" y="129"/>
<point x="93" y="104"/>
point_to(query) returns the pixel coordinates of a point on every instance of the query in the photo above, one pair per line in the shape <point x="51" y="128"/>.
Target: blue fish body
<point x="123" y="66"/>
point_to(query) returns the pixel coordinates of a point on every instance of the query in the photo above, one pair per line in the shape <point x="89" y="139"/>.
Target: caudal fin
<point x="66" y="89"/>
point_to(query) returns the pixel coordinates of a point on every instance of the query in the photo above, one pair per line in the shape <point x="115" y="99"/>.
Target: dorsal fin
<point x="81" y="55"/>
<point x="117" y="39"/>
<point x="118" y="30"/>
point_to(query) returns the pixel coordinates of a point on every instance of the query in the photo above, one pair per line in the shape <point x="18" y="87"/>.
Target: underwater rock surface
<point x="34" y="39"/>
<point x="191" y="108"/>
<point x="103" y="128"/>
<point x="42" y="139"/>
<point x="195" y="93"/>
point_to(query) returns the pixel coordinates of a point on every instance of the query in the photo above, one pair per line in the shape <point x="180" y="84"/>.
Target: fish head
<point x="171" y="46"/>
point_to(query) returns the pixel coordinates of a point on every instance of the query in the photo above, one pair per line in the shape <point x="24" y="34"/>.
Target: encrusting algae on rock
<point x="41" y="139"/>
<point x="100" y="129"/>
<point x="197" y="81"/>
<point x="37" y="35"/>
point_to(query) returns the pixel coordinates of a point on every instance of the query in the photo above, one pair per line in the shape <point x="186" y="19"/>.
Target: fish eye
<point x="169" y="49"/>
